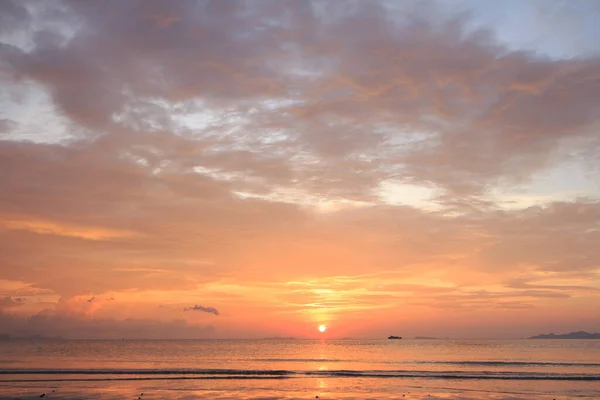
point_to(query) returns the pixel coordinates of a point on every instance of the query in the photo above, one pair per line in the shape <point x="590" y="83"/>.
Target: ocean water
<point x="300" y="369"/>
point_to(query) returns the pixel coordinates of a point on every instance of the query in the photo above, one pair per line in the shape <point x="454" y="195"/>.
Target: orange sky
<point x="250" y="169"/>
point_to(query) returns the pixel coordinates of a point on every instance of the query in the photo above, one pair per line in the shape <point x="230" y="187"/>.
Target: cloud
<point x="229" y="147"/>
<point x="10" y="302"/>
<point x="13" y="16"/>
<point x="7" y="125"/>
<point x="488" y="113"/>
<point x="210" y="310"/>
<point x="50" y="228"/>
<point x="76" y="327"/>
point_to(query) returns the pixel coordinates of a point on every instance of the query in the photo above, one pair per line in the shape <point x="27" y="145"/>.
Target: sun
<point x="322" y="328"/>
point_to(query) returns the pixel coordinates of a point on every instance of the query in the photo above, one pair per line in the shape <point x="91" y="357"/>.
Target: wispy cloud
<point x="10" y="302"/>
<point x="53" y="228"/>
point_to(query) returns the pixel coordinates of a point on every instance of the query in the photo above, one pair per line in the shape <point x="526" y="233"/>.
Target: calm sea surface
<point x="301" y="369"/>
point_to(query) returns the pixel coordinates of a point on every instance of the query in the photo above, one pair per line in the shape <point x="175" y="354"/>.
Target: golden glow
<point x="159" y="211"/>
<point x="46" y="227"/>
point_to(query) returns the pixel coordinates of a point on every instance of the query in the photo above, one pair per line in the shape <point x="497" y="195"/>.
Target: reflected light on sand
<point x="322" y="383"/>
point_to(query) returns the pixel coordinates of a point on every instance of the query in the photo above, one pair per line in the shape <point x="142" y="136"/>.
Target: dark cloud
<point x="210" y="310"/>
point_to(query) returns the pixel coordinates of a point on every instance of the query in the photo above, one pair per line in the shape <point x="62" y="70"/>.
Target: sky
<point x="242" y="169"/>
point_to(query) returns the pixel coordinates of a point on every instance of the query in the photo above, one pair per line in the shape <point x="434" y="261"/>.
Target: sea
<point x="300" y="369"/>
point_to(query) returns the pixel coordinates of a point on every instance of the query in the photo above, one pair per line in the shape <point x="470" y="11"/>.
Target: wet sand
<point x="222" y="391"/>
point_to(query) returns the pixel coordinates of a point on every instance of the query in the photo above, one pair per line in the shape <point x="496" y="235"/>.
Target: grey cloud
<point x="210" y="310"/>
<point x="14" y="16"/>
<point x="7" y="125"/>
<point x="187" y="56"/>
<point x="361" y="82"/>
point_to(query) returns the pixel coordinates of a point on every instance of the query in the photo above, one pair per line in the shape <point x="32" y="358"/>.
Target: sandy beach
<point x="228" y="391"/>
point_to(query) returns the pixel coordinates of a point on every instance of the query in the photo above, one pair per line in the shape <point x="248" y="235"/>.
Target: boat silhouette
<point x="394" y="337"/>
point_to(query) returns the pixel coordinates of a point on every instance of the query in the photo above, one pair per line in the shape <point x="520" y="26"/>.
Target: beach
<point x="348" y="389"/>
<point x="227" y="390"/>
<point x="288" y="389"/>
<point x="300" y="369"/>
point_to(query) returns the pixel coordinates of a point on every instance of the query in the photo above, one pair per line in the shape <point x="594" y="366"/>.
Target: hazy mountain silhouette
<point x="571" y="335"/>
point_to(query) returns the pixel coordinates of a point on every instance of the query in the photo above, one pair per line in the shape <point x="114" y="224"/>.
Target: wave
<point x="460" y="363"/>
<point x="510" y="363"/>
<point x="504" y="375"/>
<point x="108" y="371"/>
<point x="173" y="374"/>
<point x="304" y="360"/>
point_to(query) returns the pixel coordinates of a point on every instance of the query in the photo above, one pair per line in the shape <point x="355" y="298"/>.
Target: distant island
<point x="426" y="338"/>
<point x="571" y="335"/>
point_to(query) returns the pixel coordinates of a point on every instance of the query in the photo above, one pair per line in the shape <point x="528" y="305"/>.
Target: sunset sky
<point x="241" y="169"/>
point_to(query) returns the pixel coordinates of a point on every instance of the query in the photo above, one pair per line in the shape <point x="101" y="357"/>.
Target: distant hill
<point x="426" y="338"/>
<point x="572" y="335"/>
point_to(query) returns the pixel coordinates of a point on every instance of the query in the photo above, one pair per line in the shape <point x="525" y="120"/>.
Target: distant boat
<point x="394" y="337"/>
